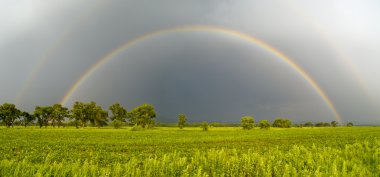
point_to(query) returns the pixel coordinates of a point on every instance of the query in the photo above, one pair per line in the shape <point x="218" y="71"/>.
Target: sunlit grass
<point x="168" y="151"/>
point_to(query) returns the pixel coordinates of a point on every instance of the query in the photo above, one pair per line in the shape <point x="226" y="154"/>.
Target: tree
<point x="319" y="124"/>
<point x="118" y="112"/>
<point x="9" y="114"/>
<point x="78" y="113"/>
<point x="43" y="114"/>
<point x="334" y="123"/>
<point x="204" y="126"/>
<point x="181" y="120"/>
<point x="282" y="123"/>
<point x="247" y="122"/>
<point x="264" y="124"/>
<point x="38" y="115"/>
<point x="143" y="115"/>
<point x="117" y="123"/>
<point x="27" y="118"/>
<point x="350" y="124"/>
<point x="91" y="110"/>
<point x="100" y="116"/>
<point x="323" y="124"/>
<point x="59" y="114"/>
<point x="85" y="112"/>
<point x="308" y="124"/>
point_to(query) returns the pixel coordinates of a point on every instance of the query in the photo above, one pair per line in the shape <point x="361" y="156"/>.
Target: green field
<point x="340" y="151"/>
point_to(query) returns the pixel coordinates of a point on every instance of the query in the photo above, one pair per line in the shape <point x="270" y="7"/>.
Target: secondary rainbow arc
<point x="109" y="56"/>
<point x="67" y="34"/>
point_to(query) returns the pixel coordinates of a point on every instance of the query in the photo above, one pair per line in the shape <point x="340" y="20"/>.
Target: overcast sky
<point x="45" y="46"/>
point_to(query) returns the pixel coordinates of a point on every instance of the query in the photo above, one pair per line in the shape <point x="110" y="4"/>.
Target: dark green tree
<point x="100" y="116"/>
<point x="264" y="124"/>
<point x="88" y="112"/>
<point x="334" y="123"/>
<point x="91" y="110"/>
<point x="247" y="122"/>
<point x="181" y="120"/>
<point x="143" y="115"/>
<point x="79" y="114"/>
<point x="59" y="114"/>
<point x="118" y="112"/>
<point x="9" y="114"/>
<point x="350" y="124"/>
<point x="308" y="124"/>
<point x="282" y="123"/>
<point x="319" y="124"/>
<point x="204" y="126"/>
<point x="43" y="114"/>
<point x="27" y="118"/>
<point x="119" y="115"/>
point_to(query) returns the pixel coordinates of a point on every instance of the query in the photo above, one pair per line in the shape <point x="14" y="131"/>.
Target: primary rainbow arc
<point x="109" y="56"/>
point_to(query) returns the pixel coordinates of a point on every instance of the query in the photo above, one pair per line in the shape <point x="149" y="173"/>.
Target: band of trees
<point x="248" y="122"/>
<point x="80" y="115"/>
<point x="142" y="116"/>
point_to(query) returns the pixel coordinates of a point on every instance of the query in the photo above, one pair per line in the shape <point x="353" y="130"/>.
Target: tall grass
<point x="168" y="152"/>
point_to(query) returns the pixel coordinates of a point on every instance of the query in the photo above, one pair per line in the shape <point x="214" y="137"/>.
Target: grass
<point x="340" y="151"/>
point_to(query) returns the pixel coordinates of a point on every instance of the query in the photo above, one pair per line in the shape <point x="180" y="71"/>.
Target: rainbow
<point x="48" y="54"/>
<point x="341" y="55"/>
<point x="212" y="29"/>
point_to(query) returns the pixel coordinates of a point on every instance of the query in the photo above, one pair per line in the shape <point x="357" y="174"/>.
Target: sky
<point x="46" y="47"/>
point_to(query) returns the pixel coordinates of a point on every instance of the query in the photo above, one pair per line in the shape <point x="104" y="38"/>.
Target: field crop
<point x="340" y="151"/>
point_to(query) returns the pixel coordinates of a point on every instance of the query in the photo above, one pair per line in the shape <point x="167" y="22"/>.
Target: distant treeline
<point x="198" y="124"/>
<point x="80" y="115"/>
<point x="91" y="114"/>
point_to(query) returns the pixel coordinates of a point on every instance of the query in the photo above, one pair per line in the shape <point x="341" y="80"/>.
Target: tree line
<point x="80" y="115"/>
<point x="247" y="122"/>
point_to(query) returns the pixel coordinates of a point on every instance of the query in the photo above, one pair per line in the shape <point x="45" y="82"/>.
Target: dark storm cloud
<point x="206" y="76"/>
<point x="105" y="28"/>
<point x="235" y="79"/>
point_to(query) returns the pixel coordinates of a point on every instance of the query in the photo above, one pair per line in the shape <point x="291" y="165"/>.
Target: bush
<point x="137" y="128"/>
<point x="322" y="124"/>
<point x="264" y="124"/>
<point x="181" y="120"/>
<point x="150" y="125"/>
<point x="204" y="126"/>
<point x="247" y="122"/>
<point x="282" y="123"/>
<point x="117" y="124"/>
<point x="308" y="124"/>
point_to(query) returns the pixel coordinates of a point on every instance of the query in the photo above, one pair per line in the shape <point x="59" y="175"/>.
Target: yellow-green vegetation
<point x="339" y="151"/>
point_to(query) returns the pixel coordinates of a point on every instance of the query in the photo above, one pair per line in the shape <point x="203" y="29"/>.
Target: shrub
<point x="308" y="124"/>
<point x="137" y="128"/>
<point x="264" y="124"/>
<point x="181" y="120"/>
<point x="204" y="126"/>
<point x="247" y="122"/>
<point x="282" y="123"/>
<point x="117" y="124"/>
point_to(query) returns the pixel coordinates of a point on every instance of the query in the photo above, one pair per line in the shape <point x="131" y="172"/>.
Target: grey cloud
<point x="204" y="75"/>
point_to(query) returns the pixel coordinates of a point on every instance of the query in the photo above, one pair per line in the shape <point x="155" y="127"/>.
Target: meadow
<point x="227" y="151"/>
